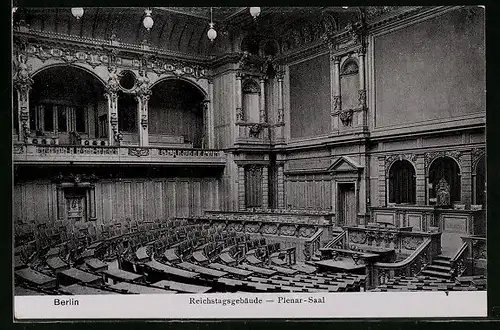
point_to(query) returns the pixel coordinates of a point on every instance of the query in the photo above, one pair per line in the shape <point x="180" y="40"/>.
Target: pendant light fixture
<point x="148" y="20"/>
<point x="211" y="34"/>
<point x="77" y="12"/>
<point x="255" y="12"/>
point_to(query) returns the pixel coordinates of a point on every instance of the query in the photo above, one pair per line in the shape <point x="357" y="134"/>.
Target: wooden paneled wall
<point x="224" y="109"/>
<point x="308" y="192"/>
<point x="177" y="122"/>
<point x="140" y="199"/>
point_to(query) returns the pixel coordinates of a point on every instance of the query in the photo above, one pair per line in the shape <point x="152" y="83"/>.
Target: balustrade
<point x="99" y="153"/>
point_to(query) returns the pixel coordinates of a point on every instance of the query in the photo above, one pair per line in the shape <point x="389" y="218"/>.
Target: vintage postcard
<point x="249" y="162"/>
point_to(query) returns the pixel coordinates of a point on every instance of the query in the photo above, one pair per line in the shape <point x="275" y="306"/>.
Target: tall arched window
<point x="480" y="182"/>
<point x="402" y="183"/>
<point x="445" y="168"/>
<point x="251" y="94"/>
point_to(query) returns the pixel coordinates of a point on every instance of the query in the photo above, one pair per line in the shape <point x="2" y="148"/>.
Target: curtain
<point x="402" y="183"/>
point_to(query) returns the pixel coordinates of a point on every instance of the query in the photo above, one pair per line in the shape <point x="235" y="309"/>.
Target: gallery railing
<point x="26" y="153"/>
<point x="312" y="245"/>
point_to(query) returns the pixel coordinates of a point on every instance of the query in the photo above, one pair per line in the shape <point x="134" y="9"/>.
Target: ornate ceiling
<point x="184" y="29"/>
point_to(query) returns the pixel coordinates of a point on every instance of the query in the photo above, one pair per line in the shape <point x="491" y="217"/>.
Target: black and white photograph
<point x="274" y="159"/>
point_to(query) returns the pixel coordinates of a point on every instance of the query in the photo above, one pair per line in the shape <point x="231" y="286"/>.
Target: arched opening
<point x="444" y="173"/>
<point x="176" y="114"/>
<point x="402" y="188"/>
<point x="66" y="103"/>
<point x="480" y="182"/>
<point x="349" y="84"/>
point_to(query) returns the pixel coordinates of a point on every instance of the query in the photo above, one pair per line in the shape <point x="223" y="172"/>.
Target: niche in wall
<point x="251" y="95"/>
<point x="349" y="84"/>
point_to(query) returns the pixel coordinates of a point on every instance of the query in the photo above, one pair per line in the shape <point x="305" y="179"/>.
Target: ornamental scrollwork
<point x="255" y="130"/>
<point x="269" y="229"/>
<point x="287" y="230"/>
<point x="252" y="228"/>
<point x="306" y="231"/>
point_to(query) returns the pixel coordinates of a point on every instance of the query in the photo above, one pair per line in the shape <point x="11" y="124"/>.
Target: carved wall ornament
<point x="139" y="152"/>
<point x="178" y="68"/>
<point x="429" y="157"/>
<point x="113" y="84"/>
<point x="350" y="67"/>
<point x="362" y="98"/>
<point x="346" y="117"/>
<point x="251" y="86"/>
<point x="144" y="121"/>
<point x="239" y="115"/>
<point x="281" y="117"/>
<point x="255" y="130"/>
<point x="411" y="242"/>
<point x="390" y="159"/>
<point x="336" y="102"/>
<point x="443" y="193"/>
<point x="477" y="154"/>
<point x="357" y="237"/>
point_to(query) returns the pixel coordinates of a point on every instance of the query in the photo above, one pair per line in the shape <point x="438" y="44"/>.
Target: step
<point x="434" y="273"/>
<point x="441" y="262"/>
<point x="439" y="268"/>
<point x="442" y="257"/>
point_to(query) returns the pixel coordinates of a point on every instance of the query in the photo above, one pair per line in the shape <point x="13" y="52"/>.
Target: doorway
<point x="347" y="204"/>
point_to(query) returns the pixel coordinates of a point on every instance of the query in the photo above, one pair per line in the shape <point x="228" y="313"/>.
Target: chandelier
<point x="255" y="12"/>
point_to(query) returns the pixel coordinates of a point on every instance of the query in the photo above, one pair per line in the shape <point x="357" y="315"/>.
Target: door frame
<point x="336" y="203"/>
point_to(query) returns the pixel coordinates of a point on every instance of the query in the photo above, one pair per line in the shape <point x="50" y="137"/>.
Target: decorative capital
<point x="280" y="75"/>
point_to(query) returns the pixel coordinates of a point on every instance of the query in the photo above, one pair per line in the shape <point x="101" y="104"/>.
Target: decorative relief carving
<point x="477" y="154"/>
<point x="362" y="98"/>
<point x="139" y="152"/>
<point x="429" y="157"/>
<point x="255" y="130"/>
<point x="178" y="69"/>
<point x="336" y="103"/>
<point x="390" y="159"/>
<point x="306" y="231"/>
<point x="18" y="148"/>
<point x="357" y="237"/>
<point x="269" y="229"/>
<point x="239" y="115"/>
<point x="411" y="242"/>
<point x="287" y="230"/>
<point x="346" y="116"/>
<point x="443" y="193"/>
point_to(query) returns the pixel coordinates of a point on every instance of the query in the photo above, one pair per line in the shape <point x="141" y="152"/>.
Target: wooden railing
<point x="458" y="261"/>
<point x="312" y="245"/>
<point x="338" y="241"/>
<point x="26" y="153"/>
<point x="381" y="272"/>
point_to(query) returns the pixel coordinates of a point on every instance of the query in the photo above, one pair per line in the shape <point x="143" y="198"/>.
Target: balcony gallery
<point x="70" y="120"/>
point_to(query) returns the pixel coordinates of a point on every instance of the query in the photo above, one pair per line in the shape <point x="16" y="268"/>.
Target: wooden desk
<point x="96" y="264"/>
<point x="155" y="265"/>
<point x="226" y="258"/>
<point x="77" y="289"/>
<point x="199" y="256"/>
<point x="182" y="287"/>
<point x="304" y="268"/>
<point x="77" y="275"/>
<point x="283" y="270"/>
<point x="171" y="255"/>
<point x="230" y="270"/>
<point x="202" y="270"/>
<point x="258" y="270"/>
<point x="138" y="289"/>
<point x="20" y="291"/>
<point x="34" y="277"/>
<point x="57" y="264"/>
<point x="339" y="266"/>
<point x="121" y="275"/>
<point x="142" y="253"/>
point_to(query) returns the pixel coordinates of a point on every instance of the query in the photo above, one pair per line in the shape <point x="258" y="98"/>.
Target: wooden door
<point x="347" y="204"/>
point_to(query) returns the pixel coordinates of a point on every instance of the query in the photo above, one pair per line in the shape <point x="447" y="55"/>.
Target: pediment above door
<point x="344" y="164"/>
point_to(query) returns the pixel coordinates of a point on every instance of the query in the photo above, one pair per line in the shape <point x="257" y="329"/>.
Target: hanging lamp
<point x="211" y="34"/>
<point x="77" y="12"/>
<point x="255" y="12"/>
<point x="148" y="20"/>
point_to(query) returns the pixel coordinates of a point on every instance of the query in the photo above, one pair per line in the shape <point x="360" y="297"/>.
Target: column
<point x="113" y="134"/>
<point x="336" y="101"/>
<point x="265" y="187"/>
<point x="280" y="120"/>
<point x="23" y="113"/>
<point x="420" y="180"/>
<point x="241" y="187"/>
<point x="466" y="177"/>
<point x="92" y="212"/>
<point x="362" y="88"/>
<point x="381" y="181"/>
<point x="262" y="101"/>
<point x="142" y="118"/>
<point x="239" y="101"/>
<point x="60" y="203"/>
<point x="210" y="115"/>
<point x="281" y="186"/>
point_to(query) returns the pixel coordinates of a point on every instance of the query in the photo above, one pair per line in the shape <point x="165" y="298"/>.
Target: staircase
<point x="440" y="267"/>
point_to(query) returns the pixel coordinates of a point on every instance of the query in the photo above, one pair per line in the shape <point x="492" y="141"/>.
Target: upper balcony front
<point x="73" y="118"/>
